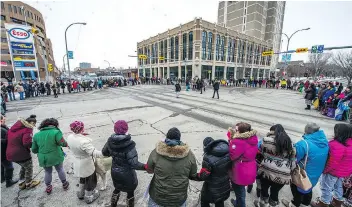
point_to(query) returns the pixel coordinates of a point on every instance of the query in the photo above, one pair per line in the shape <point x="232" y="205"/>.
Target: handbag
<point x="299" y="175"/>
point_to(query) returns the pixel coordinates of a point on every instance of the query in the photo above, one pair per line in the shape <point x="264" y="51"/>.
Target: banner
<point x="21" y="47"/>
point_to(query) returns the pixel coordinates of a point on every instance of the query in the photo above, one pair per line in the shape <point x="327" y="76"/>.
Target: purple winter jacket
<point x="243" y="149"/>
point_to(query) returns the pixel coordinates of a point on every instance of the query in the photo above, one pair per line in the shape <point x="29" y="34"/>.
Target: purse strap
<point x="306" y="158"/>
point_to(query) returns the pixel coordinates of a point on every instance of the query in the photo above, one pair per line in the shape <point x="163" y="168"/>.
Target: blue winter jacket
<point x="328" y="93"/>
<point x="317" y="155"/>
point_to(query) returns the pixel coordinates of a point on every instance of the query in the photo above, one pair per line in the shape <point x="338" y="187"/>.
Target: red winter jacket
<point x="19" y="141"/>
<point x="339" y="163"/>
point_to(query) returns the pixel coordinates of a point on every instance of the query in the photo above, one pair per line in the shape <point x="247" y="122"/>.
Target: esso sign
<point x="19" y="33"/>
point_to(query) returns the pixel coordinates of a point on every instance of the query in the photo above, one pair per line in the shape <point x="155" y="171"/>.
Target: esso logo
<point x="19" y="33"/>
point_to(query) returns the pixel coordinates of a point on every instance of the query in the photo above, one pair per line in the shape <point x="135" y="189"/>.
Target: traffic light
<point x="50" y="67"/>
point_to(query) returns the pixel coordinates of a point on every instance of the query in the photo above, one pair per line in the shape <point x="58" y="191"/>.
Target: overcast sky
<point x="114" y="27"/>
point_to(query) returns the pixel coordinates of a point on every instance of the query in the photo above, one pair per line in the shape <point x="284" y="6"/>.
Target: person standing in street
<point x="216" y="87"/>
<point x="19" y="142"/>
<point x="55" y="87"/>
<point x="69" y="86"/>
<point x="84" y="154"/>
<point x="177" y="89"/>
<point x="310" y="95"/>
<point x="48" y="143"/>
<point x="6" y="166"/>
<point x="62" y="85"/>
<point x="124" y="163"/>
<point x="201" y="83"/>
<point x="11" y="91"/>
<point x="19" y="88"/>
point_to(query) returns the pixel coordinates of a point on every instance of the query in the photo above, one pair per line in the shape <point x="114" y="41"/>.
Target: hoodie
<point x="19" y="141"/>
<point x="317" y="155"/>
<point x="243" y="149"/>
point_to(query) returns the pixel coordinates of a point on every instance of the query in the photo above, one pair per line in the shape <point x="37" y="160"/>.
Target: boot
<point x="91" y="196"/>
<point x="336" y="203"/>
<point x="114" y="199"/>
<point x="80" y="193"/>
<point x="262" y="202"/>
<point x="8" y="176"/>
<point x="307" y="108"/>
<point x="318" y="203"/>
<point x="287" y="203"/>
<point x="273" y="203"/>
<point x="130" y="202"/>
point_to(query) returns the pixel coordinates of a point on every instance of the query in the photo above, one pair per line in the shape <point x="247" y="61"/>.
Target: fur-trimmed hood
<point x="175" y="152"/>
<point x="244" y="135"/>
<point x="20" y="124"/>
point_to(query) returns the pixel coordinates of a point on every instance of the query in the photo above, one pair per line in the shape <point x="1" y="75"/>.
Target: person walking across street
<point x="177" y="89"/>
<point x="48" y="143"/>
<point x="84" y="154"/>
<point x="310" y="95"/>
<point x="173" y="164"/>
<point x="19" y="142"/>
<point x="6" y="166"/>
<point x="216" y="87"/>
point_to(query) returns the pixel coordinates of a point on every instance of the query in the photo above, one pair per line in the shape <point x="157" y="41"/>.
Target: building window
<point x="204" y="45"/>
<point x="20" y="11"/>
<point x="222" y="48"/>
<point x="210" y="46"/>
<point x="165" y="51"/>
<point x="190" y="45"/>
<point x="184" y="46"/>
<point x="2" y="6"/>
<point x="4" y="40"/>
<point x="229" y="50"/>
<point x="161" y="50"/>
<point x="10" y="7"/>
<point x="156" y="52"/>
<point x="5" y="51"/>
<point x="3" y="18"/>
<point x="176" y="48"/>
<point x="31" y="15"/>
<point x="15" y="9"/>
<point x="217" y="47"/>
<point x="172" y="49"/>
<point x="153" y="53"/>
<point x="233" y="50"/>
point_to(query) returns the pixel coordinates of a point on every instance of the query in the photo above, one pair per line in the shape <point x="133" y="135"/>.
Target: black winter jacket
<point x="216" y="86"/>
<point x="310" y="93"/>
<point x="4" y="130"/>
<point x="217" y="161"/>
<point x="124" y="162"/>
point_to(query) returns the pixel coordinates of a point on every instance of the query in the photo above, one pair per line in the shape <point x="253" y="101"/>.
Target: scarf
<point x="173" y="142"/>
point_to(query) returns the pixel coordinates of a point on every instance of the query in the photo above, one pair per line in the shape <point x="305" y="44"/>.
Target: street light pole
<point x="107" y="62"/>
<point x="68" y="61"/>
<point x="288" y="42"/>
<point x="63" y="61"/>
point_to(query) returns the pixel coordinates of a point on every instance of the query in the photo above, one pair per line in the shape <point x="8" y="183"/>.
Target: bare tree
<point x="344" y="62"/>
<point x="317" y="63"/>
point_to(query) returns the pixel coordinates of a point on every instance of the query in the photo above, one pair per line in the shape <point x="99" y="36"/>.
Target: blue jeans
<point x="240" y="192"/>
<point x="152" y="203"/>
<point x="21" y="95"/>
<point x="330" y="185"/>
<point x="12" y="96"/>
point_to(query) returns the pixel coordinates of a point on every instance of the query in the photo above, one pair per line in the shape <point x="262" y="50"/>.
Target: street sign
<point x="286" y="58"/>
<point x="267" y="53"/>
<point x="161" y="58"/>
<point x="301" y="50"/>
<point x="143" y="57"/>
<point x="70" y="54"/>
<point x="317" y="49"/>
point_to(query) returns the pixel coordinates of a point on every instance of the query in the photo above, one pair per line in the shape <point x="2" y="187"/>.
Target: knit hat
<point x="311" y="128"/>
<point x="77" y="127"/>
<point x="121" y="127"/>
<point x="207" y="140"/>
<point x="173" y="133"/>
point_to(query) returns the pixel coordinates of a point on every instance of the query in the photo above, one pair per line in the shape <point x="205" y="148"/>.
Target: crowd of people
<point x="228" y="164"/>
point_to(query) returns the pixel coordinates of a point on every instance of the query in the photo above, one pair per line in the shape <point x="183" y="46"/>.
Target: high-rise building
<point x="17" y="12"/>
<point x="262" y="20"/>
<point x="85" y="65"/>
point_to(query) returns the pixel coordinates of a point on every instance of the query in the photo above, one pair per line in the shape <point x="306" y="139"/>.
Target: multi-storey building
<point x="203" y="49"/>
<point x="85" y="65"/>
<point x="260" y="19"/>
<point x="16" y="12"/>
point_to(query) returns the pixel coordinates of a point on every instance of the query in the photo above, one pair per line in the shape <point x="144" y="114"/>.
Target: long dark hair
<point x="32" y="118"/>
<point x="283" y="142"/>
<point x="342" y="132"/>
<point x="49" y="122"/>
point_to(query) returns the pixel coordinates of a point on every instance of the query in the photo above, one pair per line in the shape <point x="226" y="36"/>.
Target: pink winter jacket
<point x="339" y="163"/>
<point x="243" y="149"/>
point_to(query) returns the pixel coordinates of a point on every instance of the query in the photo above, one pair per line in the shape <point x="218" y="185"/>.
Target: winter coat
<point x="47" y="144"/>
<point x="310" y="93"/>
<point x="216" y="86"/>
<point x="177" y="87"/>
<point x="339" y="163"/>
<point x="275" y="167"/>
<point x="83" y="152"/>
<point x="317" y="155"/>
<point x="4" y="130"/>
<point x="172" y="166"/>
<point x="217" y="162"/>
<point x="322" y="92"/>
<point x="19" y="141"/>
<point x="328" y="93"/>
<point x="19" y="88"/>
<point x="124" y="162"/>
<point x="243" y="150"/>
